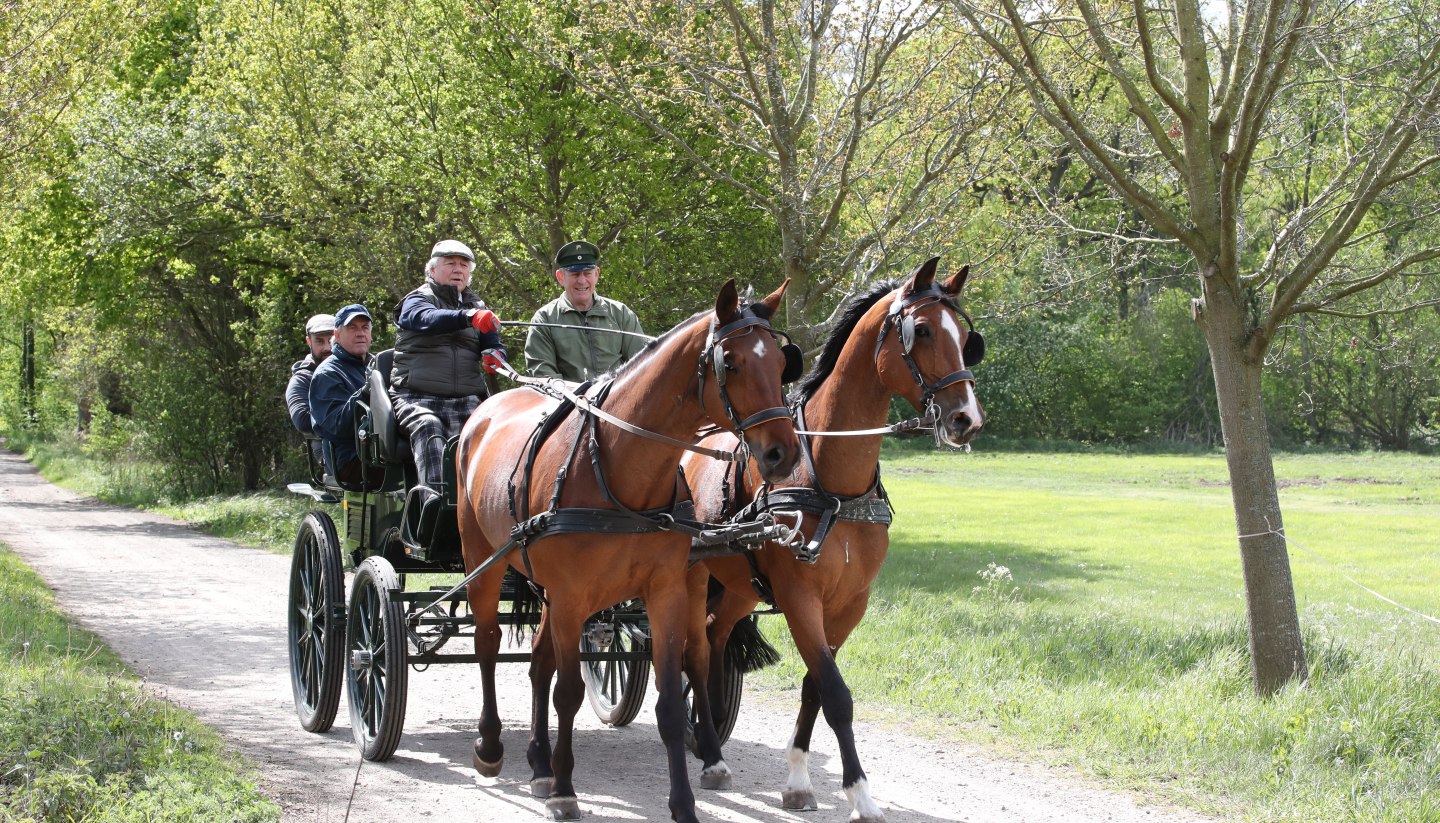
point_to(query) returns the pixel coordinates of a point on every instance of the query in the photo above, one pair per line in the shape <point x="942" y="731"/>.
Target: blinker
<point x="974" y="350"/>
<point x="794" y="363"/>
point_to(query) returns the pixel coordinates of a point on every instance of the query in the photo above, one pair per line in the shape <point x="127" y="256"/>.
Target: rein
<point x="645" y="337"/>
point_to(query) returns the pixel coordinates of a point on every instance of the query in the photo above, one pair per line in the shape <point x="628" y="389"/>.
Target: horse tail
<point x="748" y="650"/>
<point x="526" y="600"/>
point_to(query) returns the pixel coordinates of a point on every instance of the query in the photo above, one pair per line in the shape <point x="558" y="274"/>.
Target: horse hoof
<point x="562" y="808"/>
<point x="542" y="786"/>
<point x="868" y="819"/>
<point x="716" y="777"/>
<point x="801" y="801"/>
<point x="483" y="766"/>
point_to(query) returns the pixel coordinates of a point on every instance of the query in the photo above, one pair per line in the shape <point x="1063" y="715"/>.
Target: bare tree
<point x="835" y="118"/>
<point x="1224" y="104"/>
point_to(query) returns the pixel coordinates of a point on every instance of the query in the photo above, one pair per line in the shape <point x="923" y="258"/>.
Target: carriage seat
<point x="393" y="445"/>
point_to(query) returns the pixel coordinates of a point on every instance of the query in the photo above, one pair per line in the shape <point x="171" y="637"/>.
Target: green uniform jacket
<point x="581" y="355"/>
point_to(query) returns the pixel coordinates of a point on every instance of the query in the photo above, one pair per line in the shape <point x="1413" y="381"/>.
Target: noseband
<point x="712" y="361"/>
<point x="901" y="316"/>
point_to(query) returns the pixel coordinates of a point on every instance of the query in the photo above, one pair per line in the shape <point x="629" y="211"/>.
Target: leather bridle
<point x="900" y="316"/>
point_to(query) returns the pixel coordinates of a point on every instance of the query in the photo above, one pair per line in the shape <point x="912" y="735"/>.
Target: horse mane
<point x="830" y="355"/>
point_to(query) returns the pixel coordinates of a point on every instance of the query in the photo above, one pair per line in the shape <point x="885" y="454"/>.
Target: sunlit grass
<point x="80" y="740"/>
<point x="1088" y="609"/>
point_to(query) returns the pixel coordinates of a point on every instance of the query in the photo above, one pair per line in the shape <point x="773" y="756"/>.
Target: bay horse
<point x="897" y="339"/>
<point x="607" y="493"/>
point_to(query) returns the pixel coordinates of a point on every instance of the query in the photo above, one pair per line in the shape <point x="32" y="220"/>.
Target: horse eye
<point x="922" y="331"/>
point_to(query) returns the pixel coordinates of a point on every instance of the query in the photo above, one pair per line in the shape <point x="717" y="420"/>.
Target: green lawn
<point x="80" y="740"/>
<point x="1109" y="634"/>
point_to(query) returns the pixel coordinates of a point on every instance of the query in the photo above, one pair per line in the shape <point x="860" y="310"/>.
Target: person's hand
<point x="493" y="360"/>
<point x="484" y="321"/>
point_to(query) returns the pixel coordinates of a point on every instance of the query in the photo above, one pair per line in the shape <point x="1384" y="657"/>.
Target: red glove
<point x="484" y="321"/>
<point x="493" y="359"/>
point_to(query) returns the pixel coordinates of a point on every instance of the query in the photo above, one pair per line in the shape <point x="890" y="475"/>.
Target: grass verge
<point x="80" y="740"/>
<point x="1087" y="610"/>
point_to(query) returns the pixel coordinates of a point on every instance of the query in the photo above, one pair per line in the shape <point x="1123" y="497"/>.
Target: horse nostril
<point x="960" y="420"/>
<point x="773" y="456"/>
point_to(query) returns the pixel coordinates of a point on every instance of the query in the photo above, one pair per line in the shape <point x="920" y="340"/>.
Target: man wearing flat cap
<point x="446" y="340"/>
<point x="337" y="385"/>
<point x="318" y="331"/>
<point x="592" y="348"/>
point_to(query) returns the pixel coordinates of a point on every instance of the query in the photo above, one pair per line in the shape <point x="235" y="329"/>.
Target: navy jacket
<point x="337" y="384"/>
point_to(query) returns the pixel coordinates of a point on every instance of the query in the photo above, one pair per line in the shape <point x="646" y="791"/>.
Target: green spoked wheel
<point x="615" y="688"/>
<point x="376" y="658"/>
<point x="317" y="621"/>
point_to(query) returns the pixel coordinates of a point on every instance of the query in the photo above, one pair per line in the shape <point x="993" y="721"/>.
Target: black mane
<point x="825" y="364"/>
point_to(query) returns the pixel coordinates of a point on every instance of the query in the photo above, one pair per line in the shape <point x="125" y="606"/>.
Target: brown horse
<point x="902" y="340"/>
<point x="609" y="488"/>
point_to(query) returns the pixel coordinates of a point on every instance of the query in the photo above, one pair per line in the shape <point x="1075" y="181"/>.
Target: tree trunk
<point x="27" y="372"/>
<point x="1276" y="650"/>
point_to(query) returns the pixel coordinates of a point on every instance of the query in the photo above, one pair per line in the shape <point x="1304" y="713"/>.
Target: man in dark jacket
<point x="338" y="383"/>
<point x="446" y="340"/>
<point x="318" y="331"/>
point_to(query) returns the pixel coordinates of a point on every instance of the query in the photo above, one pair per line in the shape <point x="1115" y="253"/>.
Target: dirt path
<point x="202" y="621"/>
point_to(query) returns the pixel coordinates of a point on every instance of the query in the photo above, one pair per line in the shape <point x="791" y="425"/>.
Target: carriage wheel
<point x="317" y="618"/>
<point x="732" y="686"/>
<point x="376" y="656"/>
<point x="615" y="688"/>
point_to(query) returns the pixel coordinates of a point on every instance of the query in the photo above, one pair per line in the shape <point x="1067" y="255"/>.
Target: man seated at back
<point x="446" y="340"/>
<point x="596" y="345"/>
<point x="318" y="331"/>
<point x="338" y="383"/>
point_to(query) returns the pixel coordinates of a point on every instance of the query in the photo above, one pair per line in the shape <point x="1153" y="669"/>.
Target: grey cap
<point x="320" y="323"/>
<point x="452" y="248"/>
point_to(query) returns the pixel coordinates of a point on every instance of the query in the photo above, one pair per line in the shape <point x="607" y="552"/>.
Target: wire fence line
<point x="1341" y="572"/>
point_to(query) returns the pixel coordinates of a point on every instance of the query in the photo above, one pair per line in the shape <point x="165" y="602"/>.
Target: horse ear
<point x="773" y="299"/>
<point x="923" y="276"/>
<point x="727" y="302"/>
<point x="956" y="281"/>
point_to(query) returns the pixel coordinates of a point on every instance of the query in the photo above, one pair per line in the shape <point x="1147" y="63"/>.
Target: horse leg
<point x="714" y="774"/>
<point x="564" y="626"/>
<point x="542" y="669"/>
<point x="665" y="603"/>
<point x="726" y="609"/>
<point x="484" y="594"/>
<point x="825" y="689"/>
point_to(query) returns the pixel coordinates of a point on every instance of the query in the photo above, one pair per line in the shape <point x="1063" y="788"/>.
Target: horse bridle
<point x="901" y="316"/>
<point x="712" y="362"/>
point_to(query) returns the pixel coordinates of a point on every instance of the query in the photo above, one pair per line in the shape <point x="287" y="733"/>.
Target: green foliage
<point x="1083" y="376"/>
<point x="79" y="739"/>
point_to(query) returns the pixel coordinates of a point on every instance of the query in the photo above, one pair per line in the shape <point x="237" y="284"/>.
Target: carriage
<point x="715" y="370"/>
<point x="370" y="641"/>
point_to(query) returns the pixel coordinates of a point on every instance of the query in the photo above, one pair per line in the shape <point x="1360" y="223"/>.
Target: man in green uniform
<point x="578" y="355"/>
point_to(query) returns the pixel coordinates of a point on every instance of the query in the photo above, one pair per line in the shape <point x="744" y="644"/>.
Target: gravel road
<point x="202" y="621"/>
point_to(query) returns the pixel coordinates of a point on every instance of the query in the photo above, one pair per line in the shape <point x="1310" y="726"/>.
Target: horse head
<point x="924" y="353"/>
<point x="740" y="380"/>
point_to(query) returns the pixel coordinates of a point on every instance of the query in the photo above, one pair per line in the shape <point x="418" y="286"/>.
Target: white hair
<point x="430" y="270"/>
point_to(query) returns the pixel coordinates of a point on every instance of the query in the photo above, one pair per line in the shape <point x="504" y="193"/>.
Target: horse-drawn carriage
<point x="633" y="533"/>
<point x="370" y="644"/>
